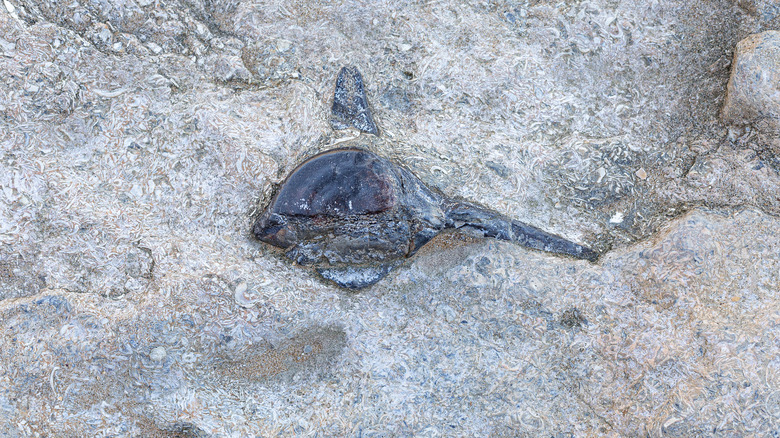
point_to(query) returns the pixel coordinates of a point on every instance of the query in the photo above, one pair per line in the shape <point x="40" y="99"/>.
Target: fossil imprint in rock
<point x="354" y="216"/>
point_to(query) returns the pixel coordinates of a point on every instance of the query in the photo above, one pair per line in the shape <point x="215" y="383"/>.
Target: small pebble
<point x="157" y="354"/>
<point x="641" y="174"/>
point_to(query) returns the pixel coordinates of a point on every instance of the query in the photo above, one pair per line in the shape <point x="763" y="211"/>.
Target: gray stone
<point x="127" y="182"/>
<point x="753" y="96"/>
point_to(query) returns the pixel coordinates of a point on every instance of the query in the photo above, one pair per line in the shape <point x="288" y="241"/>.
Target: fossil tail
<point x="464" y="215"/>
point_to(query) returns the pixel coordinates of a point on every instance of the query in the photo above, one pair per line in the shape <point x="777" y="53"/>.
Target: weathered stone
<point x="753" y="95"/>
<point x="543" y="111"/>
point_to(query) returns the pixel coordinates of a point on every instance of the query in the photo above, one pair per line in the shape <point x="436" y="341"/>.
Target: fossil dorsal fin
<point x="350" y="105"/>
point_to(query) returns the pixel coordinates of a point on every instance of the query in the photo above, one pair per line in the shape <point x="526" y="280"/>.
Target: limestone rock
<point x="753" y="95"/>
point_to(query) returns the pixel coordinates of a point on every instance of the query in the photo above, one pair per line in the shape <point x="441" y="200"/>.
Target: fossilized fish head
<point x="351" y="214"/>
<point x="334" y="184"/>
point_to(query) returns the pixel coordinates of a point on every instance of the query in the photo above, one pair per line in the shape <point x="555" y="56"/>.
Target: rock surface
<point x="753" y="96"/>
<point x="135" y="137"/>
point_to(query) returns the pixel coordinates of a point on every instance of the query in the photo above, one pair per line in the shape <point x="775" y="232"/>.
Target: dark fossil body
<point x="354" y="216"/>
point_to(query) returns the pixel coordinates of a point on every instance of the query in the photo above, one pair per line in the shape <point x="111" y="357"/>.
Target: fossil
<point x="354" y="216"/>
<point x="350" y="104"/>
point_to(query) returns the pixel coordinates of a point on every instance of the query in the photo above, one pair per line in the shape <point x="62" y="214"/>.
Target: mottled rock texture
<point x="139" y="139"/>
<point x="753" y="95"/>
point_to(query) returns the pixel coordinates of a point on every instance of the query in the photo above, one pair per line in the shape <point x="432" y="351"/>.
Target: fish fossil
<point x="354" y="216"/>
